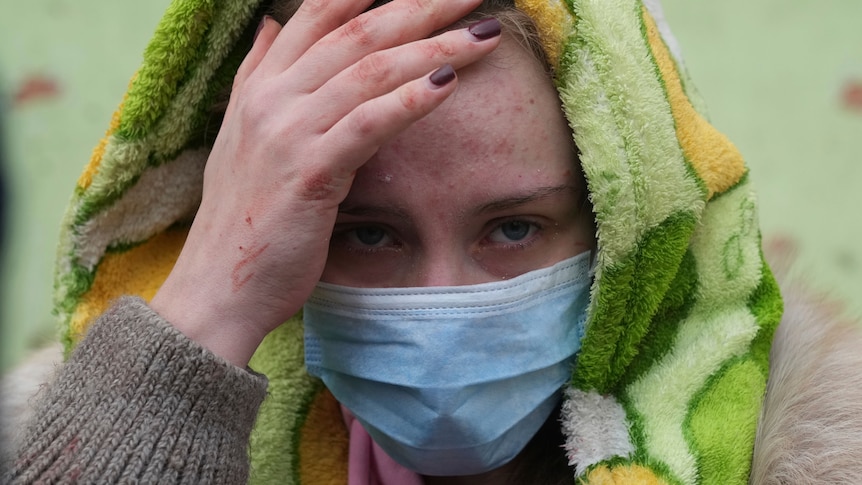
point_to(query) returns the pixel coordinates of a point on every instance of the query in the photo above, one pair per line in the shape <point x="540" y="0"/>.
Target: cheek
<point x="373" y="270"/>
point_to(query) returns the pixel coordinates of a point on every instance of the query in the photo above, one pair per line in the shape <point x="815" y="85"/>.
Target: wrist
<point x="202" y="320"/>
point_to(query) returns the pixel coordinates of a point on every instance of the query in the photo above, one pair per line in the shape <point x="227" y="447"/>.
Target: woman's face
<point x="484" y="188"/>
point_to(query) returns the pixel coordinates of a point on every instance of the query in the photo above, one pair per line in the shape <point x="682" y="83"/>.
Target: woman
<point x="352" y="154"/>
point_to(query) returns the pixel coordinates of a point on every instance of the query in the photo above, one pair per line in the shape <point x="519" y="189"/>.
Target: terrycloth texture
<point x="165" y="408"/>
<point x="672" y="371"/>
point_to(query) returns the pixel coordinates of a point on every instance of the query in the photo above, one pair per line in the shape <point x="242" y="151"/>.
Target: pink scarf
<point x="368" y="464"/>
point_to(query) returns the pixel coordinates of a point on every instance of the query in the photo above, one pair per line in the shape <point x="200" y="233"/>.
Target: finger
<point x="383" y="71"/>
<point x="357" y="136"/>
<point x="267" y="32"/>
<point x="312" y="21"/>
<point x="390" y="25"/>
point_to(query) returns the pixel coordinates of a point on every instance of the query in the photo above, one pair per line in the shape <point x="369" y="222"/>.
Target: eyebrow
<point x="497" y="205"/>
<point x="371" y="211"/>
<point x="540" y="193"/>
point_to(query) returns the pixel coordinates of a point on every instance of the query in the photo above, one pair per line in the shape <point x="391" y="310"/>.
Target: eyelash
<point x="515" y="245"/>
<point x="346" y="234"/>
<point x="347" y="237"/>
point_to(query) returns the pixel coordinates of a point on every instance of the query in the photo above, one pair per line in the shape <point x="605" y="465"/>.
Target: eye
<point x="369" y="235"/>
<point x="513" y="231"/>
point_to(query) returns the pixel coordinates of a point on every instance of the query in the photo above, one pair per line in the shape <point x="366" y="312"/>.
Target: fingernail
<point x="259" y="28"/>
<point x="486" y="28"/>
<point x="442" y="76"/>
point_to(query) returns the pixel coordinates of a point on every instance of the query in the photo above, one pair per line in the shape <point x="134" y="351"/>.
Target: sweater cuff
<point x="139" y="399"/>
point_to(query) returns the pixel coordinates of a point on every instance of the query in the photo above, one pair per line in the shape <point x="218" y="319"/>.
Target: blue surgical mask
<point x="451" y="380"/>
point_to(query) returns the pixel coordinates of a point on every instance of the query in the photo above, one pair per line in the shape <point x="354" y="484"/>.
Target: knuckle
<point x="255" y="108"/>
<point x="429" y="8"/>
<point x="438" y="49"/>
<point x="358" y="30"/>
<point x="410" y="100"/>
<point x="416" y="6"/>
<point x="373" y="68"/>
<point x="250" y="102"/>
<point x="314" y="8"/>
<point x="247" y="83"/>
<point x="363" y="123"/>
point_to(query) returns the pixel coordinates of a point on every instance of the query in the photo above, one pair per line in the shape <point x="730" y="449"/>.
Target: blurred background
<point x="782" y="79"/>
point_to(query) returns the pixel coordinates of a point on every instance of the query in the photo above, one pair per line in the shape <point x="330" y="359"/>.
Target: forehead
<point x="502" y="128"/>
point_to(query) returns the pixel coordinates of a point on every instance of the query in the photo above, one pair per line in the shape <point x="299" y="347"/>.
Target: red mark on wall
<point x="241" y="273"/>
<point x="35" y="87"/>
<point x="851" y="95"/>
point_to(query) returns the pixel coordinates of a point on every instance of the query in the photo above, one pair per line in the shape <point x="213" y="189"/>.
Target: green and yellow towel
<point x="670" y="379"/>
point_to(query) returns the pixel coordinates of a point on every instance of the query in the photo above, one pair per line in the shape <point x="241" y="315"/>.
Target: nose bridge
<point x="444" y="265"/>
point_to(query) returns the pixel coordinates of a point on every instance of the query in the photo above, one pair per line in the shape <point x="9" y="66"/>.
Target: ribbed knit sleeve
<point x="138" y="402"/>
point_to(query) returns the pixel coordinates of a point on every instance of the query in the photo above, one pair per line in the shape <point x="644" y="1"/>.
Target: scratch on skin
<point x="240" y="277"/>
<point x="319" y="186"/>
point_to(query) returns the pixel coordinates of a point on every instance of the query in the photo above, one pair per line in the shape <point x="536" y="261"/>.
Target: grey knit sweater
<point x="138" y="402"/>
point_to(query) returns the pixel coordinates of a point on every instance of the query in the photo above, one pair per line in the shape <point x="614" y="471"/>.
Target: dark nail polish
<point x="486" y="28"/>
<point x="259" y="28"/>
<point x="442" y="76"/>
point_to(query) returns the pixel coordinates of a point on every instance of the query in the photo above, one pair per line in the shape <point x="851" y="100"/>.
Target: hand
<point x="311" y="103"/>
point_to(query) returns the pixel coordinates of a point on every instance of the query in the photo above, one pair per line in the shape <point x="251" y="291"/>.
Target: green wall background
<point x="776" y="76"/>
